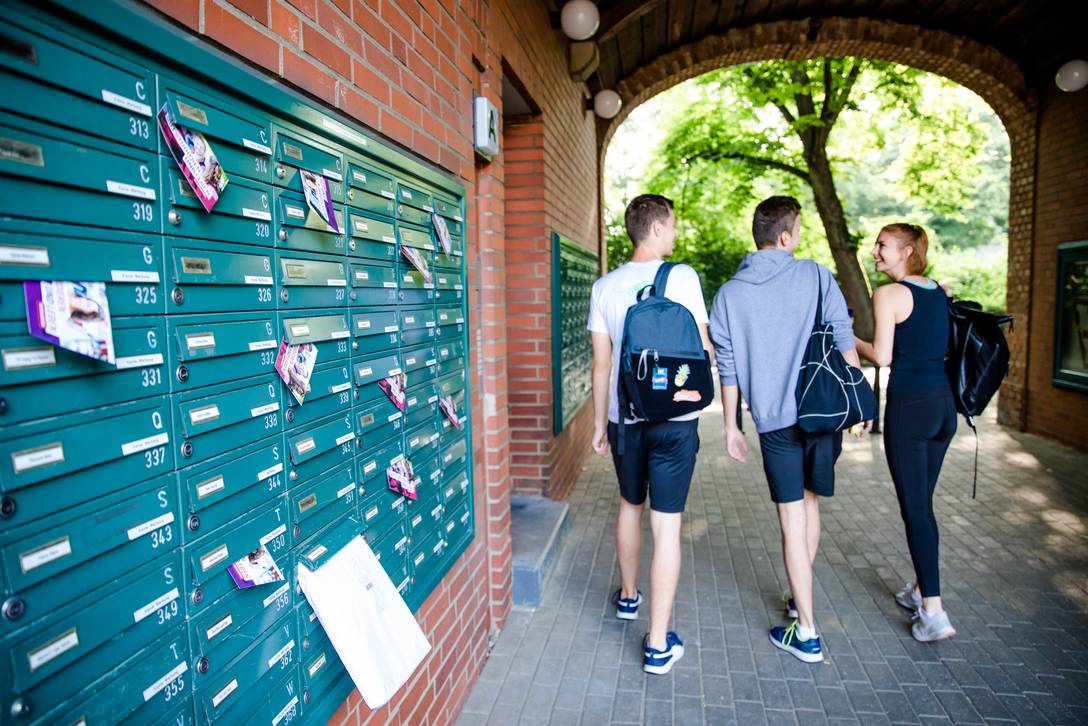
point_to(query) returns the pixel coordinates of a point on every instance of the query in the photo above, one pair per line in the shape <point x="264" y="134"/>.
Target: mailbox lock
<point x="3" y="405"/>
<point x="298" y="589"/>
<point x="290" y="415"/>
<point x="175" y="217"/>
<point x="305" y="643"/>
<point x="402" y="295"/>
<point x="351" y="194"/>
<point x="187" y="449"/>
<point x="197" y="596"/>
<point x="297" y="531"/>
<point x="362" y="491"/>
<point x="14" y="608"/>
<point x="352" y="295"/>
<point x="7" y="507"/>
<point x="202" y="665"/>
<point x="306" y="696"/>
<point x="194" y="523"/>
<point x="351" y="242"/>
<point x="283" y="235"/>
<point x="294" y="476"/>
<point x="356" y="394"/>
<point x="20" y="708"/>
<point x="354" y="346"/>
<point x="183" y="374"/>
<point x="280" y="171"/>
<point x="283" y="294"/>
<point x="178" y="295"/>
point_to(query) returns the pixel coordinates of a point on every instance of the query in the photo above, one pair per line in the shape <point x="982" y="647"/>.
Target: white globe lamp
<point x="1072" y="76"/>
<point x="606" y="103"/>
<point x="579" y="19"/>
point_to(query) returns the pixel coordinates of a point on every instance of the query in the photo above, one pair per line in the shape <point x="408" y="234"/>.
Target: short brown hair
<point x="774" y="216"/>
<point x="913" y="236"/>
<point x="642" y="212"/>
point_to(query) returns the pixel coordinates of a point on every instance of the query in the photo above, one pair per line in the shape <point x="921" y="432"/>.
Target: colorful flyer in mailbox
<point x="71" y="315"/>
<point x="194" y="155"/>
<point x="295" y="364"/>
<point x="413" y="255"/>
<point x="394" y="387"/>
<point x="318" y="196"/>
<point x="401" y="478"/>
<point x="445" y="402"/>
<point x="256" y="568"/>
<point x="443" y="232"/>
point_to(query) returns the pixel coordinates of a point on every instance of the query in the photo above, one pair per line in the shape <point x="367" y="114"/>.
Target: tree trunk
<point x="851" y="276"/>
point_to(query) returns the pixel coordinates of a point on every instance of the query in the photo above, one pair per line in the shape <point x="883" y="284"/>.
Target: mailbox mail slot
<point x="243" y="213"/>
<point x="225" y="487"/>
<point x="242" y="143"/>
<point x="312" y="281"/>
<point x="41" y="380"/>
<point x="130" y="264"/>
<point x="293" y="155"/>
<point x="298" y="227"/>
<point x="44" y="468"/>
<point x="107" y="97"/>
<point x="208" y="277"/>
<point x="87" y="181"/>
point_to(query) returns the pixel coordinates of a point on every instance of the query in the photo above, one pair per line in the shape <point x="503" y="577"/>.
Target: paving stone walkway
<point x="1015" y="581"/>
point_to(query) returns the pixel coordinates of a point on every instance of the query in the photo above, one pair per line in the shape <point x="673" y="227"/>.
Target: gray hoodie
<point x="760" y="324"/>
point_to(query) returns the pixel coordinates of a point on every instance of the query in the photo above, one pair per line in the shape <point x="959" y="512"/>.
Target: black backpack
<point x="832" y="395"/>
<point x="977" y="360"/>
<point x="664" y="368"/>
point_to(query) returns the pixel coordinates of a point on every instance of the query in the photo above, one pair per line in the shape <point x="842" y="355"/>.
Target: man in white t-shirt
<point x="657" y="456"/>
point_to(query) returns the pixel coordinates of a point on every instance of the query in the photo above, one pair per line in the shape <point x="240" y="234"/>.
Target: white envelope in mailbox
<point x="367" y="621"/>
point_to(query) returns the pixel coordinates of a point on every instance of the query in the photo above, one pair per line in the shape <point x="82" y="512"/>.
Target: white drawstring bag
<point x="367" y="621"/>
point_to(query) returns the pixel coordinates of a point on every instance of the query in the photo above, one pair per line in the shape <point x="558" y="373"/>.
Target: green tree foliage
<point x="902" y="145"/>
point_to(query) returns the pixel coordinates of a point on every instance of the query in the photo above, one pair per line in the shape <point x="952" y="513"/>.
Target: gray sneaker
<point x="928" y="628"/>
<point x="909" y="597"/>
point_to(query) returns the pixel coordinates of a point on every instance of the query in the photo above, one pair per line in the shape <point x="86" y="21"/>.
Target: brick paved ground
<point x="1015" y="581"/>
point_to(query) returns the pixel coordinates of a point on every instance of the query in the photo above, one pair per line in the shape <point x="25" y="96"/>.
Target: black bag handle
<point x="819" y="297"/>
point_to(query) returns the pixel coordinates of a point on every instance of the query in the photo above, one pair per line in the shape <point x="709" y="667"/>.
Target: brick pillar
<point x="528" y="301"/>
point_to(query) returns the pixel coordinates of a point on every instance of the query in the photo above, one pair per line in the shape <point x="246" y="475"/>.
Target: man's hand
<point x="735" y="443"/>
<point x="600" y="440"/>
<point x="866" y="427"/>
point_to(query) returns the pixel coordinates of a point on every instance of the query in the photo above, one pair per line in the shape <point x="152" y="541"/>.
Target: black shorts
<point x="794" y="461"/>
<point x="660" y="455"/>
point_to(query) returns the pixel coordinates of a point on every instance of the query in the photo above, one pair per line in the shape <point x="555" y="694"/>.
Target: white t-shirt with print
<point x="617" y="291"/>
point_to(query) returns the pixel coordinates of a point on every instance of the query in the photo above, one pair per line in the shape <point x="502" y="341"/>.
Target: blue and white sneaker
<point x="660" y="662"/>
<point x="627" y="607"/>
<point x="786" y="638"/>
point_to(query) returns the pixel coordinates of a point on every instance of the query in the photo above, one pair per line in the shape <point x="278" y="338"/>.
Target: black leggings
<point x="917" y="430"/>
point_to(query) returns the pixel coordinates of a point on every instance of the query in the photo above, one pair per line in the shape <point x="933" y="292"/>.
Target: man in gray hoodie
<point x="760" y="324"/>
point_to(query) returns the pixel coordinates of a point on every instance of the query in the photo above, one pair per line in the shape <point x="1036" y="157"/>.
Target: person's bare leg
<point x="791" y="518"/>
<point x="664" y="573"/>
<point x="812" y="524"/>
<point x="628" y="546"/>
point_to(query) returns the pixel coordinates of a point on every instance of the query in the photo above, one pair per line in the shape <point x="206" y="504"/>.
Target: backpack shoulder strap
<point x="662" y="278"/>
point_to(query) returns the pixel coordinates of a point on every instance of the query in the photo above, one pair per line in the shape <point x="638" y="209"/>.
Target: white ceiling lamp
<point x="1071" y="77"/>
<point x="606" y="103"/>
<point x="579" y="19"/>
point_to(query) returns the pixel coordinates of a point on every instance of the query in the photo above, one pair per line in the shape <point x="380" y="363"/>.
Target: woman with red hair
<point x="911" y="334"/>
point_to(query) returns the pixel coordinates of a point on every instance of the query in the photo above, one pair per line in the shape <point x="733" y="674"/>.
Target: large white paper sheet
<point x="367" y="621"/>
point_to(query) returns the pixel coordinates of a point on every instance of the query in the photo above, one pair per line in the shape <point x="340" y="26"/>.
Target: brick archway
<point x="980" y="68"/>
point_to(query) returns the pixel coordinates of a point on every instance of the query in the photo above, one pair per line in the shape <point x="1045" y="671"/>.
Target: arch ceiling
<point x="1038" y="35"/>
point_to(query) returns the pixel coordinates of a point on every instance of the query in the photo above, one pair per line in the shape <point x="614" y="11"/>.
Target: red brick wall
<point x="408" y="69"/>
<point x="1061" y="215"/>
<point x="528" y="306"/>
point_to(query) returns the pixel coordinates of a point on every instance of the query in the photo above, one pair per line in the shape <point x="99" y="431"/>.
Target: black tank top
<point x="920" y="343"/>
